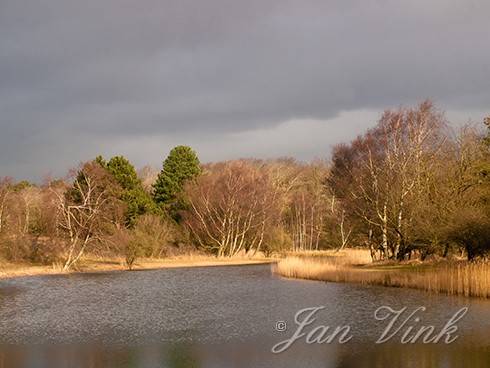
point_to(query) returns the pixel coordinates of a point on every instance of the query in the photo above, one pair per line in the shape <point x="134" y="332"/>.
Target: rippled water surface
<point x="218" y="317"/>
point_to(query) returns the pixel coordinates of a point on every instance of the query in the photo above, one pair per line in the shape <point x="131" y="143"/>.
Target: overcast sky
<point x="230" y="78"/>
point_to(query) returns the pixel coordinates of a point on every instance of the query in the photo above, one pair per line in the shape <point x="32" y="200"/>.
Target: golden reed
<point x="459" y="278"/>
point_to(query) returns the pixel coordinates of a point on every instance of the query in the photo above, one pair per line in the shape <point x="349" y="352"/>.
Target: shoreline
<point x="457" y="278"/>
<point x="106" y="265"/>
<point x="349" y="266"/>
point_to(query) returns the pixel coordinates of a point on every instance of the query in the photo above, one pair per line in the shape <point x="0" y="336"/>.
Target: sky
<point x="230" y="78"/>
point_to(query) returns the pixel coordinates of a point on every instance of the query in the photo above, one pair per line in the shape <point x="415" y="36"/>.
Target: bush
<point x="276" y="241"/>
<point x="30" y="249"/>
<point x="16" y="248"/>
<point x="155" y="234"/>
<point x="473" y="234"/>
<point x="133" y="251"/>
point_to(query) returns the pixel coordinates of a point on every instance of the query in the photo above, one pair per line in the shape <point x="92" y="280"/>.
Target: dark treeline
<point x="407" y="187"/>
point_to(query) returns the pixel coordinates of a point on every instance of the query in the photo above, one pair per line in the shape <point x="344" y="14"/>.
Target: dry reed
<point x="463" y="278"/>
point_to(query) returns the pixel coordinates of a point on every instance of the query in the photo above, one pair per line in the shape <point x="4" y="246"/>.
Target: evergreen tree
<point x="181" y="165"/>
<point x="138" y="202"/>
<point x="124" y="172"/>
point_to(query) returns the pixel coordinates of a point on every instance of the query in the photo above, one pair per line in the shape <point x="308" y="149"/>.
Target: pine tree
<point x="124" y="172"/>
<point x="181" y="165"/>
<point x="138" y="202"/>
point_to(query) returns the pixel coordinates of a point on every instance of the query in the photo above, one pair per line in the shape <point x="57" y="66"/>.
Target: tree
<point x="84" y="211"/>
<point x="471" y="225"/>
<point x="137" y="200"/>
<point x="380" y="175"/>
<point x="307" y="207"/>
<point x="339" y="225"/>
<point x="133" y="251"/>
<point x="451" y="190"/>
<point x="487" y="123"/>
<point x="155" y="233"/>
<point x="5" y="191"/>
<point x="148" y="176"/>
<point x="231" y="207"/>
<point x="485" y="172"/>
<point x="124" y="172"/>
<point x="277" y="240"/>
<point x="181" y="165"/>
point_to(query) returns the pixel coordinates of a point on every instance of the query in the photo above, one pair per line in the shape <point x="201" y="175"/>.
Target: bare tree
<point x="5" y="191"/>
<point x="83" y="212"/>
<point x="307" y="207"/>
<point x="339" y="218"/>
<point x="231" y="207"/>
<point x="380" y="175"/>
<point x="148" y="176"/>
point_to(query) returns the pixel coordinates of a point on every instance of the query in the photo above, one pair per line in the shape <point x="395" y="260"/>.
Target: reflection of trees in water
<point x="182" y="356"/>
<point x="304" y="356"/>
<point x="177" y="356"/>
<point x="420" y="356"/>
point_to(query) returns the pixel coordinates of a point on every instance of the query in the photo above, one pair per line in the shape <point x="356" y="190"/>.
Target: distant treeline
<point x="409" y="187"/>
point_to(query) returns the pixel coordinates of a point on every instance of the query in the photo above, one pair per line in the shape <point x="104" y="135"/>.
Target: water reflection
<point x="189" y="356"/>
<point x="421" y="356"/>
<point x="215" y="317"/>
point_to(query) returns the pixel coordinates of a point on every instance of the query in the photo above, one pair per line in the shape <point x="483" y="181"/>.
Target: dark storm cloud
<point x="77" y="77"/>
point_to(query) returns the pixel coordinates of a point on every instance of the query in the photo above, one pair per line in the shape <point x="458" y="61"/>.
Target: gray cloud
<point x="78" y="78"/>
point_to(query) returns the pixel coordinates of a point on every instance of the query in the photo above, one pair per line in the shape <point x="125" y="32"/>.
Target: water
<point x="218" y="317"/>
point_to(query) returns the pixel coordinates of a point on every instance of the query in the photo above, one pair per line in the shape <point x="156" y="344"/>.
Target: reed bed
<point x="459" y="278"/>
<point x="348" y="256"/>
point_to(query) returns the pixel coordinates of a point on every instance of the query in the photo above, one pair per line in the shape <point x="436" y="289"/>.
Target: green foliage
<point x="100" y="160"/>
<point x="123" y="171"/>
<point x="137" y="200"/>
<point x="118" y="176"/>
<point x="181" y="165"/>
<point x="101" y="178"/>
<point x="138" y="203"/>
<point x="21" y="185"/>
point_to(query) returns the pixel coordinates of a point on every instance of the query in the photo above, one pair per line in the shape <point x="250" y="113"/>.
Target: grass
<point x="452" y="278"/>
<point x="91" y="264"/>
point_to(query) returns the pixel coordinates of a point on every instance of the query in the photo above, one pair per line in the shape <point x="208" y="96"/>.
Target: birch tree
<point x="5" y="192"/>
<point x="231" y="207"/>
<point x="307" y="207"/>
<point x="84" y="211"/>
<point x="380" y="175"/>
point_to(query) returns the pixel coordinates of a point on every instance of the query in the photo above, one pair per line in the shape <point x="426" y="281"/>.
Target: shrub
<point x="155" y="234"/>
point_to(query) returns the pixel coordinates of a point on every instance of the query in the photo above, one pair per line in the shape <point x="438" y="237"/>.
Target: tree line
<point x="408" y="187"/>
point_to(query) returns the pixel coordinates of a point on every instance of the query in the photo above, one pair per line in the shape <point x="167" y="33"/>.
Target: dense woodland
<point x="409" y="187"/>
